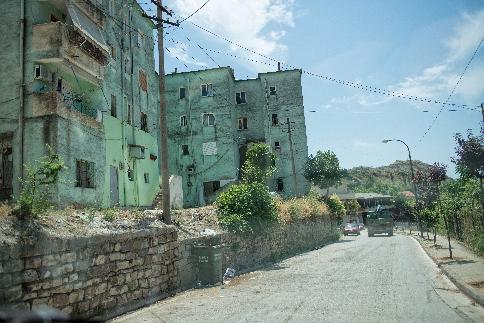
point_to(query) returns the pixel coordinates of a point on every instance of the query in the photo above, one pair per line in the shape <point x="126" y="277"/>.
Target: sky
<point x="413" y="47"/>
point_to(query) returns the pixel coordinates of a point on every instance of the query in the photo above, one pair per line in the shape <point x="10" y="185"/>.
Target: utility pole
<point x="163" y="148"/>
<point x="293" y="164"/>
<point x="482" y="112"/>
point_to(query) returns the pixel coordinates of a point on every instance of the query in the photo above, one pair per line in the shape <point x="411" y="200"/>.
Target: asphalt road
<point x="360" y="279"/>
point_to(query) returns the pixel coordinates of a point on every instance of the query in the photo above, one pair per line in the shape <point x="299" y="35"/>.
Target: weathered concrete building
<point x="79" y="76"/>
<point x="212" y="118"/>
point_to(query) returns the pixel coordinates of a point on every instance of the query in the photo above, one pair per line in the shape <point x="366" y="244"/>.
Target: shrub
<point x="5" y="210"/>
<point x="300" y="208"/>
<point x="244" y="206"/>
<point x="335" y="205"/>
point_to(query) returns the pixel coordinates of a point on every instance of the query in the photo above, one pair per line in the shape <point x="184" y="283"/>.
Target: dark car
<point x="380" y="221"/>
<point x="351" y="228"/>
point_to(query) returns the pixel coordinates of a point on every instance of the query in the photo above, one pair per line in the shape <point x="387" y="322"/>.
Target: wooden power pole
<point x="163" y="147"/>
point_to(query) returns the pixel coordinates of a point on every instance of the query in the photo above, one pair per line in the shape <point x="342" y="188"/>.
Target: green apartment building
<point x="79" y="76"/>
<point x="213" y="118"/>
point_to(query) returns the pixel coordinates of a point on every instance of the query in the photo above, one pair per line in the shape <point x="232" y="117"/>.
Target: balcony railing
<point x="58" y="43"/>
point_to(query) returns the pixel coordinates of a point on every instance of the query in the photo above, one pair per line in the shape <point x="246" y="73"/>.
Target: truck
<point x="379" y="221"/>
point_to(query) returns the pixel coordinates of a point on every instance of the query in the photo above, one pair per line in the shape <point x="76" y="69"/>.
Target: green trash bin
<point x="209" y="260"/>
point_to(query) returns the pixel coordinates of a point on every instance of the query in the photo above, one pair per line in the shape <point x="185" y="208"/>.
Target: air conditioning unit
<point x="136" y="151"/>
<point x="41" y="73"/>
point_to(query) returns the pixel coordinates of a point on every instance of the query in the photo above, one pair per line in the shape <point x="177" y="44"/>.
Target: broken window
<point x="144" y="122"/>
<point x="183" y="121"/>
<point x="240" y="97"/>
<point x="130" y="174"/>
<point x="272" y="90"/>
<point x="84" y="174"/>
<point x="182" y="93"/>
<point x="185" y="150"/>
<point x="59" y="85"/>
<point x="113" y="106"/>
<point x="210" y="187"/>
<point x="208" y="119"/>
<point x="275" y="119"/>
<point x="242" y="123"/>
<point x="41" y="73"/>
<point x="280" y="185"/>
<point x="143" y="82"/>
<point x="277" y="146"/>
<point x="207" y="90"/>
<point x="147" y="178"/>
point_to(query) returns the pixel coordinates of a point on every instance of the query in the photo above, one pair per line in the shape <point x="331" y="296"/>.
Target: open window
<point x="272" y="90"/>
<point x="240" y="98"/>
<point x="183" y="121"/>
<point x="207" y="89"/>
<point x="84" y="174"/>
<point x="280" y="185"/>
<point x="275" y="119"/>
<point x="243" y="123"/>
<point x="208" y="119"/>
<point x="182" y="93"/>
<point x="185" y="150"/>
<point x="277" y="146"/>
<point x="114" y="111"/>
<point x="144" y="122"/>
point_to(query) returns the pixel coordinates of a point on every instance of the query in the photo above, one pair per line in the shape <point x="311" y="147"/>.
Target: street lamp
<point x="413" y="175"/>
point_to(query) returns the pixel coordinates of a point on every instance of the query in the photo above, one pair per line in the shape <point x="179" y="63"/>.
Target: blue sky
<point x="418" y="48"/>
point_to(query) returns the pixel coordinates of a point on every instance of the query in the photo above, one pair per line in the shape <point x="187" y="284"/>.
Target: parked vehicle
<point x="379" y="221"/>
<point x="362" y="226"/>
<point x="351" y="228"/>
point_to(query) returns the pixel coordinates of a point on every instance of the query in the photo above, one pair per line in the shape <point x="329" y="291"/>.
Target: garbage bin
<point x="209" y="260"/>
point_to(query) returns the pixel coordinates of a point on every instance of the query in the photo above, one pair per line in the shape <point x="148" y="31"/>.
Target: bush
<point x="335" y="205"/>
<point x="5" y="210"/>
<point x="300" y="208"/>
<point x="245" y="206"/>
<point x="476" y="241"/>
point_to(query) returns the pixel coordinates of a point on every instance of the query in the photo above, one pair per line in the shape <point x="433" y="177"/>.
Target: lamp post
<point x="413" y="175"/>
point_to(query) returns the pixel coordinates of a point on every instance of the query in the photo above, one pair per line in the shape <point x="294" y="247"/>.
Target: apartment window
<point x="140" y="39"/>
<point x="183" y="121"/>
<point x="272" y="90"/>
<point x="84" y="174"/>
<point x="277" y="146"/>
<point x="147" y="178"/>
<point x="280" y="185"/>
<point x="58" y="87"/>
<point x="275" y="119"/>
<point x="144" y="122"/>
<point x="240" y="98"/>
<point x="143" y="81"/>
<point x="242" y="123"/>
<point x="130" y="114"/>
<point x="113" y="52"/>
<point x="182" y="93"/>
<point x="127" y="66"/>
<point x="208" y="119"/>
<point x="207" y="90"/>
<point x="113" y="106"/>
<point x="130" y="174"/>
<point x="185" y="150"/>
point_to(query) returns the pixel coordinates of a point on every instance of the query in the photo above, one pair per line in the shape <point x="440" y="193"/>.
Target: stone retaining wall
<point x="93" y="276"/>
<point x="244" y="252"/>
<point x="104" y="276"/>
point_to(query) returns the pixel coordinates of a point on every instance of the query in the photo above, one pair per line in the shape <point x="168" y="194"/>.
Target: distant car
<point x="351" y="228"/>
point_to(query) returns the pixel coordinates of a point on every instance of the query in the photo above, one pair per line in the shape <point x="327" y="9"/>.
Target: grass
<point x="300" y="208"/>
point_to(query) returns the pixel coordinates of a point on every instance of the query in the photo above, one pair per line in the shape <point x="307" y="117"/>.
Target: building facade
<point x="213" y="118"/>
<point x="79" y="76"/>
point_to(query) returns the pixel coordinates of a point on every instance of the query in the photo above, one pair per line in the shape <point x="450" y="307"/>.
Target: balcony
<point x="65" y="105"/>
<point x="70" y="49"/>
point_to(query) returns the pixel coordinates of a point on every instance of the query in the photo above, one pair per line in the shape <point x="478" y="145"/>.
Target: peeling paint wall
<point x="197" y="168"/>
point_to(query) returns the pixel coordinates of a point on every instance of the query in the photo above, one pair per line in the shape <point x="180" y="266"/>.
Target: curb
<point x="462" y="286"/>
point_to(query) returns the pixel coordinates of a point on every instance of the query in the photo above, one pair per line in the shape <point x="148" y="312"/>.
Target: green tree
<point x="259" y="164"/>
<point x="470" y="161"/>
<point x="33" y="198"/>
<point x="323" y="170"/>
<point x="351" y="207"/>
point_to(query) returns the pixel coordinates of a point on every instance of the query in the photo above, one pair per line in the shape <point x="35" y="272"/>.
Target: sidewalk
<point x="465" y="270"/>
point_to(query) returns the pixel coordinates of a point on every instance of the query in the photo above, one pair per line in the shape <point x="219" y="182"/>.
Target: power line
<point x="371" y="89"/>
<point x="451" y="93"/>
<point x="189" y="16"/>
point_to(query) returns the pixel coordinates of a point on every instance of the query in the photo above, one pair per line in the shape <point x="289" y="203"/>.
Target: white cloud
<point x="259" y="25"/>
<point x="437" y="81"/>
<point x="180" y="51"/>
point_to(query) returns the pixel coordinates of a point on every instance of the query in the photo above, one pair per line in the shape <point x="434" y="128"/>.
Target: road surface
<point x="379" y="279"/>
